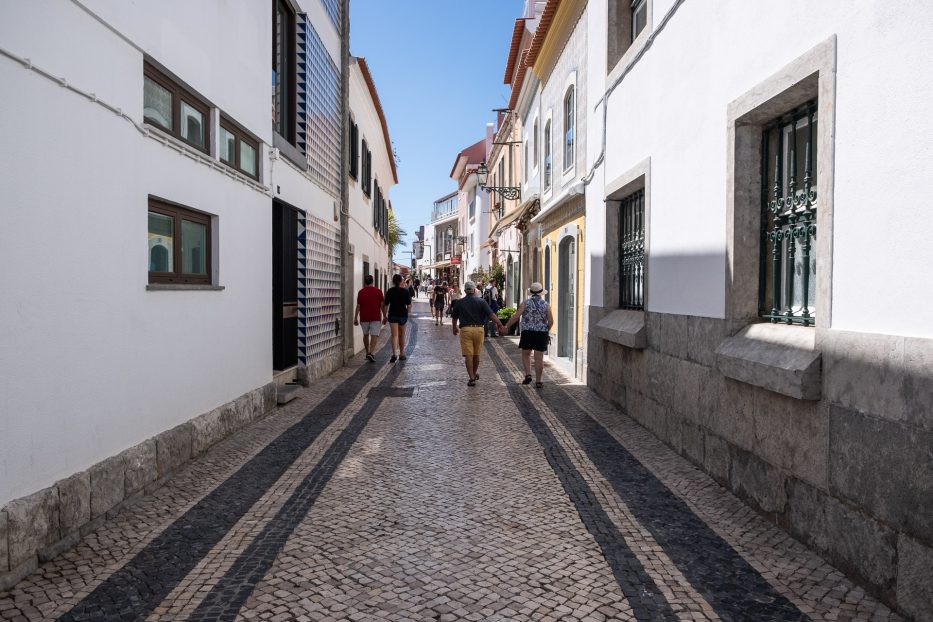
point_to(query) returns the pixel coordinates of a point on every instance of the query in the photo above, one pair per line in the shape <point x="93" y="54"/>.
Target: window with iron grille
<point x="632" y="251"/>
<point x="354" y="149"/>
<point x="569" y="112"/>
<point x="788" y="217"/>
<point x="283" y="70"/>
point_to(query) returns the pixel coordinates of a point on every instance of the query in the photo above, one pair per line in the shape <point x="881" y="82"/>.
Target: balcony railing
<point x="445" y="212"/>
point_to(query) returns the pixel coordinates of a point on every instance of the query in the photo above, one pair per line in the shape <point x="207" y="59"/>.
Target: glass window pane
<point x="247" y="158"/>
<point x="192" y="125"/>
<point x="227" y="146"/>
<point x="157" y="103"/>
<point x="161" y="242"/>
<point x="193" y="247"/>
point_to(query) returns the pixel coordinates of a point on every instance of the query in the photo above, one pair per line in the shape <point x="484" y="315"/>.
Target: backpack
<point x="487" y="295"/>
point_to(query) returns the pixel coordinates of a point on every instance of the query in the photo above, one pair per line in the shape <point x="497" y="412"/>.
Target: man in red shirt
<point x="369" y="315"/>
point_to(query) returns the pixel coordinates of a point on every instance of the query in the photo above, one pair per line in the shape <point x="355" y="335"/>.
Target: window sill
<point x="625" y="327"/>
<point x="163" y="287"/>
<point x="776" y="357"/>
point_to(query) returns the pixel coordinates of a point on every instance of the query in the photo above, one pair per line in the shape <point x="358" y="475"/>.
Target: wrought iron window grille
<point x="632" y="251"/>
<point x="788" y="218"/>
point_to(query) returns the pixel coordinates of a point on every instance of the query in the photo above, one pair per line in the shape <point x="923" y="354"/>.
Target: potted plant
<point x="504" y="315"/>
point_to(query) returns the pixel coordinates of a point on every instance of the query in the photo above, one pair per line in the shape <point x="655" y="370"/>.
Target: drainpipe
<point x="346" y="268"/>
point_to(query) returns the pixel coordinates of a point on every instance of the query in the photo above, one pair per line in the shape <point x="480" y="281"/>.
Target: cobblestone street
<point x="397" y="492"/>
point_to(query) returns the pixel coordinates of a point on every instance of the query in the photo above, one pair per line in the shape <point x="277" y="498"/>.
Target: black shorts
<point x="534" y="340"/>
<point x="439" y="305"/>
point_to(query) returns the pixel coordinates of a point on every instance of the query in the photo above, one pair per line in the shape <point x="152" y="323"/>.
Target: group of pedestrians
<point x="473" y="317"/>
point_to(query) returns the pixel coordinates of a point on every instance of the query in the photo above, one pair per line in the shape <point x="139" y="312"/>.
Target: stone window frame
<point x="782" y="358"/>
<point x="547" y="137"/>
<point x="625" y="327"/>
<point x="812" y="75"/>
<point x="621" y="48"/>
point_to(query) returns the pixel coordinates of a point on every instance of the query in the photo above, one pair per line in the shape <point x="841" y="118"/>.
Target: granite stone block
<point x="851" y="539"/>
<point x="915" y="579"/>
<point x="207" y="430"/>
<point x="692" y="446"/>
<point x="653" y="330"/>
<point x="674" y="337"/>
<point x="716" y="458"/>
<point x="32" y="524"/>
<point x="734" y="420"/>
<point x="755" y="480"/>
<point x="687" y="389"/>
<point x="661" y="378"/>
<point x="884" y="466"/>
<point x="865" y="372"/>
<point x="623" y="327"/>
<point x="917" y="387"/>
<point x="704" y="334"/>
<point x="140" y="466"/>
<point x="173" y="448"/>
<point x="712" y="386"/>
<point x="793" y="435"/>
<point x="4" y="543"/>
<point x="108" y="485"/>
<point x="74" y="502"/>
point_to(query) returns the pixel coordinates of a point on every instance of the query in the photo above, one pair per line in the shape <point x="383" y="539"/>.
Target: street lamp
<point x="459" y="239"/>
<point x="509" y="193"/>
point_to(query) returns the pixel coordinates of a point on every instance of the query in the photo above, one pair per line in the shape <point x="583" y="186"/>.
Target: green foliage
<point x="479" y="276"/>
<point x="497" y="275"/>
<point x="505" y="313"/>
<point x="396" y="234"/>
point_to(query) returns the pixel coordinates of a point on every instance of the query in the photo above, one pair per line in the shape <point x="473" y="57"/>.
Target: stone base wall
<point x="42" y="525"/>
<point x="320" y="368"/>
<point x="850" y="474"/>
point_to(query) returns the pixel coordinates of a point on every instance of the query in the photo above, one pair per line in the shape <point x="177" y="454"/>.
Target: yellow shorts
<point x="471" y="340"/>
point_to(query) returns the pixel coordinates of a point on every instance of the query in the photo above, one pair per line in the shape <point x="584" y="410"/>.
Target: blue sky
<point x="438" y="66"/>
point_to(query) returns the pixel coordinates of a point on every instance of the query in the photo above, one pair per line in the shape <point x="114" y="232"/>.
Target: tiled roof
<point x="474" y="154"/>
<point x="513" y="50"/>
<point x="367" y="76"/>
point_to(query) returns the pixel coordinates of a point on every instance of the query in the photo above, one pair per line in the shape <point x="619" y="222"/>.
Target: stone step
<point x="286" y="393"/>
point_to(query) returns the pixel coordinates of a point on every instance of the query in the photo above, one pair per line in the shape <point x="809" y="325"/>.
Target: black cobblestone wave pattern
<point x="227" y="597"/>
<point x="643" y="595"/>
<point x="734" y="589"/>
<point x="133" y="591"/>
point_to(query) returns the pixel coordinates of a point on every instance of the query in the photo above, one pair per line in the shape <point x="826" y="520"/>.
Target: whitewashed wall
<point x="90" y="362"/>
<point x="672" y="108"/>
<point x="368" y="245"/>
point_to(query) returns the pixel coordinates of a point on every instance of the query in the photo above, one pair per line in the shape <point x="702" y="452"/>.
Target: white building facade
<point x="371" y="176"/>
<point x="157" y="143"/>
<point x="755" y="247"/>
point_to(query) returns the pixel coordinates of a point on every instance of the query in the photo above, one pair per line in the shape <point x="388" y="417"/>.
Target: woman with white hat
<point x="537" y="320"/>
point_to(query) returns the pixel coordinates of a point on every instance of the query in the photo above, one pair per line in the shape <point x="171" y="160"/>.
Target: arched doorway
<point x="566" y="297"/>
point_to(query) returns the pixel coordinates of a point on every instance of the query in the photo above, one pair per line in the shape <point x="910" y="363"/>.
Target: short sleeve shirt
<point x="471" y="310"/>
<point x="440" y="291"/>
<point x="370" y="300"/>
<point x="398" y="300"/>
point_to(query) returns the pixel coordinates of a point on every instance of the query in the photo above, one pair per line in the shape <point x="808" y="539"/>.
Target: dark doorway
<point x="284" y="286"/>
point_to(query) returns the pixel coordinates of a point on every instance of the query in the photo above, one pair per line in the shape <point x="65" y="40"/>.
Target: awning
<point x="506" y="221"/>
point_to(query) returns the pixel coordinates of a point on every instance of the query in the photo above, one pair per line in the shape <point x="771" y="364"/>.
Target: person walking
<point x="369" y="315"/>
<point x="411" y="289"/>
<point x="491" y="296"/>
<point x="454" y="295"/>
<point x="396" y="307"/>
<point x="537" y="320"/>
<point x="417" y="284"/>
<point x="439" y="302"/>
<point x="468" y="314"/>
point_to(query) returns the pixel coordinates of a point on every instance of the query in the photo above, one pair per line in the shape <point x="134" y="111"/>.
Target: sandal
<point x="527" y="379"/>
<point x="538" y="385"/>
<point x="402" y="357"/>
<point x="393" y="358"/>
<point x="471" y="383"/>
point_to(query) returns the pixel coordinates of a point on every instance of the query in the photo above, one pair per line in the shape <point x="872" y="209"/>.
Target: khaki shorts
<point x="471" y="340"/>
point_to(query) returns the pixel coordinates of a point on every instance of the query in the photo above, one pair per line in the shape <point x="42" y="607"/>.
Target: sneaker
<point x="402" y="357"/>
<point x="393" y="358"/>
<point x="371" y="357"/>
